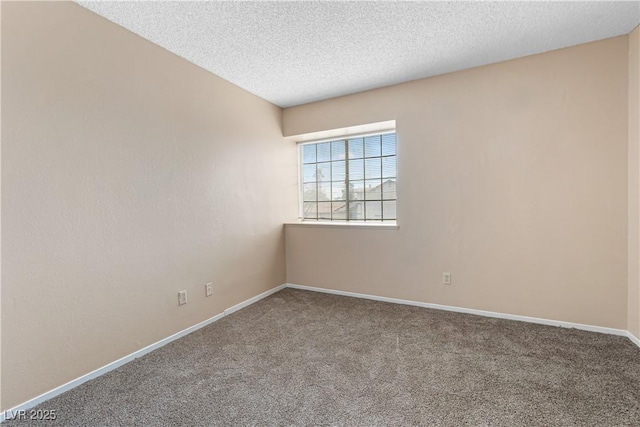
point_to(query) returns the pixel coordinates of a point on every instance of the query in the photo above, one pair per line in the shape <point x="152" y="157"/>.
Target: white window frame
<point x="342" y="222"/>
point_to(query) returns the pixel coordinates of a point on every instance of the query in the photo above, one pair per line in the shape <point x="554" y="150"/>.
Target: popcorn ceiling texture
<point x="292" y="53"/>
<point x="309" y="359"/>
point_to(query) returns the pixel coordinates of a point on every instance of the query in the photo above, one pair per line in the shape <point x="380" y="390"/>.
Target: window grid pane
<point x="309" y="173"/>
<point x="389" y="167"/>
<point x="372" y="146"/>
<point x="324" y="210"/>
<point x="389" y="209"/>
<point x="338" y="150"/>
<point x="338" y="170"/>
<point x="389" y="144"/>
<point x="356" y="148"/>
<point x="373" y="168"/>
<point x="310" y="210"/>
<point x="373" y="189"/>
<point x="324" y="152"/>
<point x="338" y="190"/>
<point x="324" y="191"/>
<point x="339" y="211"/>
<point x="309" y="154"/>
<point x="350" y="180"/>
<point x="323" y="173"/>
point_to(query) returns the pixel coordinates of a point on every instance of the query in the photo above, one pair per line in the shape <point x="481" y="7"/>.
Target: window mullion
<point x="364" y="180"/>
<point x="346" y="182"/>
<point x="381" y="185"/>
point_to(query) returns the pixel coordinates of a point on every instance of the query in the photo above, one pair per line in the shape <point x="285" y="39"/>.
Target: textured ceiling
<point x="292" y="53"/>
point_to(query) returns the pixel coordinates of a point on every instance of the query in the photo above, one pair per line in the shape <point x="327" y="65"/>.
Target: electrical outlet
<point x="208" y="289"/>
<point x="446" y="278"/>
<point x="182" y="297"/>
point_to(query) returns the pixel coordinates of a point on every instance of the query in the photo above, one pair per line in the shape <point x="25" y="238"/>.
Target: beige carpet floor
<point x="305" y="358"/>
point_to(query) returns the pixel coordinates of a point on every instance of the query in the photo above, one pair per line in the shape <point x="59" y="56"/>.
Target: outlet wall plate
<point x="446" y="278"/>
<point x="182" y="297"/>
<point x="208" y="289"/>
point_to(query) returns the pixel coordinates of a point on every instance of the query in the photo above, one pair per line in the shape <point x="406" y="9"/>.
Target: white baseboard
<point x="590" y="328"/>
<point x="633" y="338"/>
<point x="10" y="413"/>
<point x="255" y="299"/>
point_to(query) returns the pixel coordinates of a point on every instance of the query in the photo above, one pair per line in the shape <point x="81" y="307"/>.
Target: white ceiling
<point x="293" y="53"/>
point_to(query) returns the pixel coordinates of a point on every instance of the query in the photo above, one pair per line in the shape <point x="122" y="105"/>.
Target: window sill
<point x="345" y="224"/>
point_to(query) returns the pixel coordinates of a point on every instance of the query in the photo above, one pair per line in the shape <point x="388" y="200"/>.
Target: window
<point x="351" y="179"/>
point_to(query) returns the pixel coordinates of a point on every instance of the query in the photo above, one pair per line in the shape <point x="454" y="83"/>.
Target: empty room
<point x="336" y="213"/>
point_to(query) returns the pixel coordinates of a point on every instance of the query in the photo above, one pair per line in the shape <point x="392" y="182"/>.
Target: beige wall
<point x="513" y="177"/>
<point x="128" y="174"/>
<point x="634" y="184"/>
